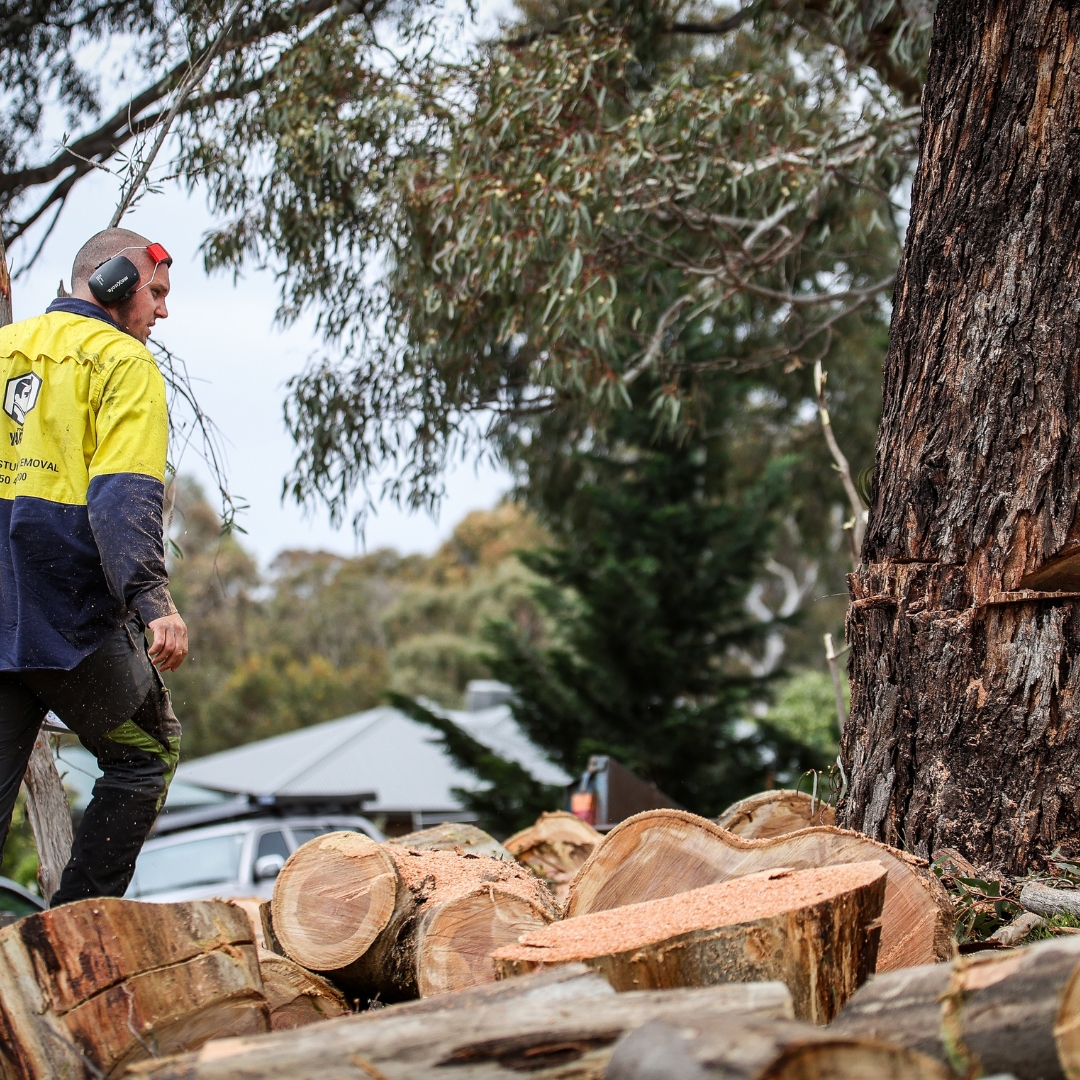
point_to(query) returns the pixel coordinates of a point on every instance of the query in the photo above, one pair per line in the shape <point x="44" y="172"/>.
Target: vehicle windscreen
<point x="208" y="861"/>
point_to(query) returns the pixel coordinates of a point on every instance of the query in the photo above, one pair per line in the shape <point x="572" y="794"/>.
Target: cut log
<point x="400" y="923"/>
<point x="1014" y="1011"/>
<point x="555" y="848"/>
<point x="452" y="836"/>
<point x="49" y="814"/>
<point x="87" y="988"/>
<point x="547" y="1031"/>
<point x="814" y="930"/>
<point x="1015" y="932"/>
<point x="664" y="852"/>
<point x="773" y="813"/>
<point x="1047" y="901"/>
<point x="751" y="1050"/>
<point x="295" y="996"/>
<point x="251" y="906"/>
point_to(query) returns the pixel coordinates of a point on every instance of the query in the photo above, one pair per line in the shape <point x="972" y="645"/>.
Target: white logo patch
<point x="21" y="395"/>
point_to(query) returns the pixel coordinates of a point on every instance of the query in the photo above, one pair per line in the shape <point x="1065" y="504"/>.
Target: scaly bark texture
<point x="964" y="686"/>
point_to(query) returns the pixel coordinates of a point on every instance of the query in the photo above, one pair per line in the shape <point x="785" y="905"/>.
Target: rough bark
<point x="664" y="852"/>
<point x="87" y="988"/>
<point x="753" y="1050"/>
<point x="963" y="675"/>
<point x="773" y="813"/>
<point x="813" y="930"/>
<point x="550" y="1034"/>
<point x="1015" y="1011"/>
<point x="453" y="836"/>
<point x="401" y="923"/>
<point x="49" y="814"/>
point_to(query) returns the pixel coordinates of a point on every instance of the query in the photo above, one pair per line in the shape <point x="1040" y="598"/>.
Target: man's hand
<point x="170" y="642"/>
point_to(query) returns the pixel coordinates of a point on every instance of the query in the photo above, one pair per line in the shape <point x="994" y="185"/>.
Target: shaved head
<point x="100" y="247"/>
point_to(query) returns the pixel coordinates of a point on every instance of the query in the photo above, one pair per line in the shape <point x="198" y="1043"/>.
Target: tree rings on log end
<point x="455" y="945"/>
<point x="332" y="899"/>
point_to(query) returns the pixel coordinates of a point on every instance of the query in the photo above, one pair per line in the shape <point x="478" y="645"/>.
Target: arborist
<point x="83" y="436"/>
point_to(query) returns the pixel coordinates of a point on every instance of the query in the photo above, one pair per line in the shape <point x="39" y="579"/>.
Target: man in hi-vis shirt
<point x="83" y="436"/>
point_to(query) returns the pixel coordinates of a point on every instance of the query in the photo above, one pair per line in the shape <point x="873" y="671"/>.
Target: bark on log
<point x="750" y="1050"/>
<point x="963" y="661"/>
<point x="1043" y="900"/>
<point x="773" y="813"/>
<point x="295" y="996"/>
<point x="452" y="836"/>
<point x="100" y="984"/>
<point x="664" y="852"/>
<point x="547" y="1031"/>
<point x="49" y="814"/>
<point x="555" y="848"/>
<point x="399" y="923"/>
<point x="1015" y="932"/>
<point x="1014" y="1011"/>
<point x="813" y="930"/>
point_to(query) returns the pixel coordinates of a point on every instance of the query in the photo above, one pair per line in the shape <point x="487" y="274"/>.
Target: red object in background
<point x="583" y="805"/>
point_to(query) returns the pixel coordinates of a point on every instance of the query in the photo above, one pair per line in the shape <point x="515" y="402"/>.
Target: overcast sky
<point x="241" y="363"/>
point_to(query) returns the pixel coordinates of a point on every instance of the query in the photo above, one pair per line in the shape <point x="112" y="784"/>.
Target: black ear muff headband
<point x="116" y="279"/>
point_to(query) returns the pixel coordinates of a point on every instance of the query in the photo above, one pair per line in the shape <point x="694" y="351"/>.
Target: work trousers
<point x="117" y="705"/>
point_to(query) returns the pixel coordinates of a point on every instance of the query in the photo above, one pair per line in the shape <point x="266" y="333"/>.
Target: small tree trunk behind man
<point x="965" y="720"/>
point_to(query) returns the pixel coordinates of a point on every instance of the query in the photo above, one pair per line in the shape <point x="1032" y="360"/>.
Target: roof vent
<point x="486" y="693"/>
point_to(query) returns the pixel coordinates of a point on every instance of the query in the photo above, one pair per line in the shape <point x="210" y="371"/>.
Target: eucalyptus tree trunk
<point x="965" y="617"/>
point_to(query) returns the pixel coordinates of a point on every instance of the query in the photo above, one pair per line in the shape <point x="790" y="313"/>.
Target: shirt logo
<point x="21" y="395"/>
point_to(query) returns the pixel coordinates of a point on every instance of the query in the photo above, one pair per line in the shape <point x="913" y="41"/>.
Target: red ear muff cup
<point x="159" y="254"/>
<point x="114" y="280"/>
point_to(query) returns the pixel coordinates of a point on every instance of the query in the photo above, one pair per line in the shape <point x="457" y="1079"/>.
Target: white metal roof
<point x="381" y="751"/>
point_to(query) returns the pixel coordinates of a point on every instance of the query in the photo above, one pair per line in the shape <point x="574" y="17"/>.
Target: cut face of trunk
<point x="295" y="996"/>
<point x="1016" y="1011"/>
<point x="399" y="922"/>
<point x="752" y="1050"/>
<point x="554" y="848"/>
<point x="664" y="852"/>
<point x="111" y="982"/>
<point x="773" y="813"/>
<point x="814" y="930"/>
<point x="965" y="685"/>
<point x="556" y="1025"/>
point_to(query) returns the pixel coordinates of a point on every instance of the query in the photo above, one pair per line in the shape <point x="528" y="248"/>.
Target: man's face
<point x="138" y="313"/>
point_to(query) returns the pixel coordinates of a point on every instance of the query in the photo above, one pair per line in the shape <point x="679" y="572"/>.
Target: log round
<point x="773" y="813"/>
<point x="295" y="996"/>
<point x="1015" y="1011"/>
<point x="455" y="940"/>
<point x="452" y="836"/>
<point x="752" y="1050"/>
<point x="814" y="930"/>
<point x="397" y="922"/>
<point x="333" y="898"/>
<point x="665" y="852"/>
<point x="554" y="848"/>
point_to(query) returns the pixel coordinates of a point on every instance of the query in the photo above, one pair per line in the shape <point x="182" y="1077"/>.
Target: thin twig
<point x="858" y="524"/>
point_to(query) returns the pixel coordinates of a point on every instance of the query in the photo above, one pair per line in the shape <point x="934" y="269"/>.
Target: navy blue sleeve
<point x="125" y="517"/>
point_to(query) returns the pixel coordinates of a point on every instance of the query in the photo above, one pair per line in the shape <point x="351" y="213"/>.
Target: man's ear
<point x="60" y="290"/>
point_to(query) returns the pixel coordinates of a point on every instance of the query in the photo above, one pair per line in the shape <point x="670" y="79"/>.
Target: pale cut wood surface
<point x="748" y="1049"/>
<point x="100" y="984"/>
<point x="334" y="896"/>
<point x="554" y="848"/>
<point x="49" y="814"/>
<point x="664" y="852"/>
<point x="553" y="1033"/>
<point x="396" y="922"/>
<point x="773" y="813"/>
<point x="295" y="996"/>
<point x="452" y="835"/>
<point x="1014" y="1011"/>
<point x="814" y="930"/>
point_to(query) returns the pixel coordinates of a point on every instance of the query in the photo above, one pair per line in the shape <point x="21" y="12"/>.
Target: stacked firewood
<point x="672" y="947"/>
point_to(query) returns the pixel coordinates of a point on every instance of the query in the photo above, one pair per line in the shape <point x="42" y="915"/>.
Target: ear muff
<point x="114" y="280"/>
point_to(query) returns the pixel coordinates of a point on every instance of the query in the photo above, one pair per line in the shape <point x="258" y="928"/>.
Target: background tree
<point x="965" y="680"/>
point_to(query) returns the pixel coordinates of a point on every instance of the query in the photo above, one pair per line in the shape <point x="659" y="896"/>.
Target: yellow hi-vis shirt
<point x="83" y="437"/>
